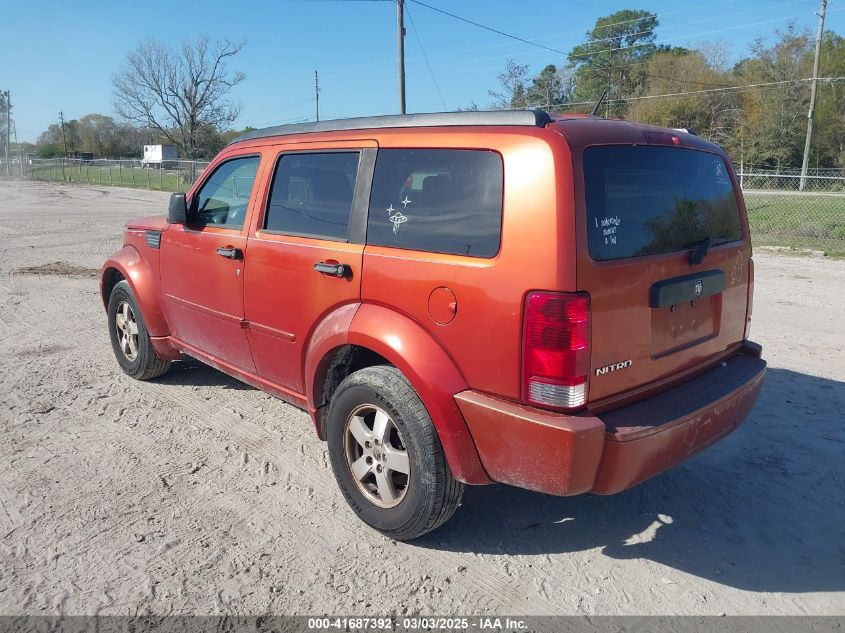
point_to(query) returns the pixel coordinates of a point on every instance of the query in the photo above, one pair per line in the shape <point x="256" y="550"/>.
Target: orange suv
<point x="560" y="303"/>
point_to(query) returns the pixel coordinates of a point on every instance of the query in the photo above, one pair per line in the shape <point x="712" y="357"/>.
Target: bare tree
<point x="514" y="87"/>
<point x="181" y="92"/>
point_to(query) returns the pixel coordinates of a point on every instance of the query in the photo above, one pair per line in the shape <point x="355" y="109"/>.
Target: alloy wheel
<point x="127" y="330"/>
<point x="376" y="456"/>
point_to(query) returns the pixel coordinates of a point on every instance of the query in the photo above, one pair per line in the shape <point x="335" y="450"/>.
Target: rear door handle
<point x="334" y="270"/>
<point x="230" y="252"/>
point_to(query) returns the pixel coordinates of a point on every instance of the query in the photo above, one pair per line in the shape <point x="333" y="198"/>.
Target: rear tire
<point x="130" y="339"/>
<point x="387" y="457"/>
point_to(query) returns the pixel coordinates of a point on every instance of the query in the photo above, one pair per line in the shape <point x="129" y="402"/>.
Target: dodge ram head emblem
<point x="699" y="287"/>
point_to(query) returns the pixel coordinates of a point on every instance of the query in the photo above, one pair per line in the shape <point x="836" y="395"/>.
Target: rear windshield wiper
<point x="701" y="247"/>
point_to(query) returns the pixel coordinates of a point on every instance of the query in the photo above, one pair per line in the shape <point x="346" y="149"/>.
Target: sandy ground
<point x="197" y="494"/>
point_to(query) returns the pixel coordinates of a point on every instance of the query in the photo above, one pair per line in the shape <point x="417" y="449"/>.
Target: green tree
<point x="775" y="117"/>
<point x="611" y="58"/>
<point x="97" y="134"/>
<point x="711" y="114"/>
<point x="828" y="143"/>
<point x="56" y="140"/>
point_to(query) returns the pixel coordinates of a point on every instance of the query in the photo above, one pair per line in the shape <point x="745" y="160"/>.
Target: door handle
<point x="334" y="270"/>
<point x="230" y="252"/>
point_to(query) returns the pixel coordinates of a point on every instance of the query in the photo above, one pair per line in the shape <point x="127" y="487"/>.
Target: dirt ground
<point x="197" y="494"/>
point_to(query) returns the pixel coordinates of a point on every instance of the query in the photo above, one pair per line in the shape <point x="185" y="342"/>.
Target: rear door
<point x="664" y="254"/>
<point x="305" y="250"/>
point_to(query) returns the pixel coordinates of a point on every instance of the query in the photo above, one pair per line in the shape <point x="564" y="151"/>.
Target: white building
<point x="159" y="155"/>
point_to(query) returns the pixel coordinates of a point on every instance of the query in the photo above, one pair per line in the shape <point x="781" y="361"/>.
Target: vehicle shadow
<point x="762" y="510"/>
<point x="192" y="372"/>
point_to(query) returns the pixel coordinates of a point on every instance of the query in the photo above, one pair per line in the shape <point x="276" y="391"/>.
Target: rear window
<point x="650" y="200"/>
<point x="312" y="195"/>
<point x="437" y="200"/>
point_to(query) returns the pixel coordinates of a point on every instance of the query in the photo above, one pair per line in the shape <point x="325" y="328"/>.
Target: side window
<point x="441" y="201"/>
<point x="223" y="198"/>
<point x="312" y="195"/>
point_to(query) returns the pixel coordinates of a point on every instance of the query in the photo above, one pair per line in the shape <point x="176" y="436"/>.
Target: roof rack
<point x="531" y="118"/>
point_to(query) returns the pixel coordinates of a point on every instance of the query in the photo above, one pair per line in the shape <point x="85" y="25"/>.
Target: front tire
<point x="386" y="455"/>
<point x="130" y="339"/>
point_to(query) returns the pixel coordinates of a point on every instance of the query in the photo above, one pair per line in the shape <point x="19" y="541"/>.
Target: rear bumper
<point x="610" y="452"/>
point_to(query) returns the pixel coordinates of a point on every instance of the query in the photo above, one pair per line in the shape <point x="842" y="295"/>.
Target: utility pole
<point x="8" y="129"/>
<point x="812" y="97"/>
<point x="20" y="152"/>
<point x="64" y="141"/>
<point x="400" y="31"/>
<point x="317" y="92"/>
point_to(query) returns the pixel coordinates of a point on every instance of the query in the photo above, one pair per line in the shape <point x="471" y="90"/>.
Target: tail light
<point x="750" y="303"/>
<point x="555" y="349"/>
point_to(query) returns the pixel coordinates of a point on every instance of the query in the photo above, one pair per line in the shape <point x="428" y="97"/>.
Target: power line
<point x="694" y="92"/>
<point x="582" y="30"/>
<point x="431" y="72"/>
<point x="659" y="41"/>
<point x="488" y="28"/>
<point x="671" y="39"/>
<point x="679" y="79"/>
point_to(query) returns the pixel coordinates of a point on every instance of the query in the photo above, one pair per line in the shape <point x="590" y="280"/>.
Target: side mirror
<point x="177" y="212"/>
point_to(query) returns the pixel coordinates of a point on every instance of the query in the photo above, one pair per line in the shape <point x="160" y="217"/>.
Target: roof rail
<point x="532" y="118"/>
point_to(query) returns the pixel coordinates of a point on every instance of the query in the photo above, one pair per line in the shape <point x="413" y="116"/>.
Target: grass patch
<point x="114" y="176"/>
<point x="815" y="221"/>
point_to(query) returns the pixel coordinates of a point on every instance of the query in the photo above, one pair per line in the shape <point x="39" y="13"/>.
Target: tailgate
<point x="664" y="255"/>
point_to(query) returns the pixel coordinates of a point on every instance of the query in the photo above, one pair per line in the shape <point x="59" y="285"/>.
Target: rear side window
<point x="440" y="201"/>
<point x="312" y="195"/>
<point x="650" y="200"/>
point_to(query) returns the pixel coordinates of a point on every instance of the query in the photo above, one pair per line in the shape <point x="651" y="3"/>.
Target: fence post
<point x="161" y="177"/>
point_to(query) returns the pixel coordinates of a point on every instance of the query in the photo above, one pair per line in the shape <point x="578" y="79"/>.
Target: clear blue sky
<point x="62" y="54"/>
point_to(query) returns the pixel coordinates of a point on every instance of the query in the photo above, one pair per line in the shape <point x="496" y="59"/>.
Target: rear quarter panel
<point x="483" y="339"/>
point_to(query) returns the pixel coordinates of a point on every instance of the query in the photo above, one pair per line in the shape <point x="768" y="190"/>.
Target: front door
<point x="305" y="252"/>
<point x="203" y="264"/>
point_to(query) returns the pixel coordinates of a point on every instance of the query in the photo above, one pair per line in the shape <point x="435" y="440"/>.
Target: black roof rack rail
<point x="532" y="118"/>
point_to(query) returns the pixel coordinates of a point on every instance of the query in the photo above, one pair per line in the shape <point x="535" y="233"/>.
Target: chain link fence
<point x="169" y="175"/>
<point x="780" y="213"/>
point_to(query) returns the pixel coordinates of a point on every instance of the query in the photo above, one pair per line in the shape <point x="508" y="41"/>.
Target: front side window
<point x="223" y="198"/>
<point x="439" y="201"/>
<point x="312" y="195"/>
<point x="647" y="200"/>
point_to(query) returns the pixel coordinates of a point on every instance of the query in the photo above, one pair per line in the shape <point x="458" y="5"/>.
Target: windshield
<point x="647" y="200"/>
